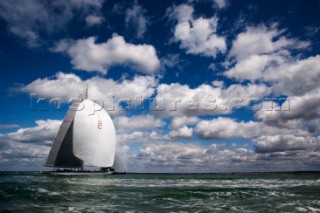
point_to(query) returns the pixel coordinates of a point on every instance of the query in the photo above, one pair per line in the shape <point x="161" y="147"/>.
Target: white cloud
<point x="43" y="133"/>
<point x="190" y="157"/>
<point x="180" y="129"/>
<point x="300" y="107"/>
<point x="226" y="128"/>
<point x="197" y="36"/>
<point x="135" y="20"/>
<point x="171" y="61"/>
<point x="28" y="147"/>
<point x="287" y="77"/>
<point x="181" y="100"/>
<point x="139" y="137"/>
<point x="31" y="142"/>
<point x="217" y="83"/>
<point x="90" y="56"/>
<point x="265" y="55"/>
<point x="252" y="68"/>
<point x="93" y="20"/>
<point x="261" y="40"/>
<point x="259" y="51"/>
<point x="181" y="133"/>
<point x="220" y="3"/>
<point x="139" y="122"/>
<point x="171" y="154"/>
<point x="299" y="81"/>
<point x="269" y="60"/>
<point x="220" y="128"/>
<point x="69" y="86"/>
<point x="146" y="128"/>
<point x="280" y="143"/>
<point x="35" y="19"/>
<point x="125" y="138"/>
<point x="181" y="121"/>
<point x="295" y="78"/>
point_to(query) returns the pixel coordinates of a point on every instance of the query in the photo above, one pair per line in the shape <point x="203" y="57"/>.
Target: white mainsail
<point x="85" y="137"/>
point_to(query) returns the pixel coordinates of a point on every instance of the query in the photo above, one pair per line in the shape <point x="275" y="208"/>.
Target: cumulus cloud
<point x="43" y="133"/>
<point x="139" y="122"/>
<point x="197" y="36"/>
<point x="24" y="152"/>
<point x="261" y="40"/>
<point x="280" y="143"/>
<point x="40" y="135"/>
<point x="190" y="157"/>
<point x="139" y="137"/>
<point x="146" y="128"/>
<point x="183" y="132"/>
<point x="287" y="77"/>
<point x="217" y="83"/>
<point x="299" y="82"/>
<point x="266" y="55"/>
<point x="171" y="154"/>
<point x="136" y="21"/>
<point x="226" y="128"/>
<point x="252" y="68"/>
<point x="305" y="106"/>
<point x="259" y="50"/>
<point x="181" y="100"/>
<point x="22" y="147"/>
<point x="181" y="121"/>
<point x="34" y="19"/>
<point x="90" y="56"/>
<point x="107" y="91"/>
<point x="180" y="127"/>
<point x="28" y="147"/>
<point x="296" y="78"/>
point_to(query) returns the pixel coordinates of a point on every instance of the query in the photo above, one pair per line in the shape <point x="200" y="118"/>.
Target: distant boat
<point x="86" y="137"/>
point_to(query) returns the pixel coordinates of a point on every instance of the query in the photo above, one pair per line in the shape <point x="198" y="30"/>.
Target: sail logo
<point x="99" y="123"/>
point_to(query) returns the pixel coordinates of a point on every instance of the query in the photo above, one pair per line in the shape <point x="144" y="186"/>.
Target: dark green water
<point x="37" y="192"/>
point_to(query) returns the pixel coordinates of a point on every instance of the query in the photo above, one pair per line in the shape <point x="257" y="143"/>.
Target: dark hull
<point x="78" y="173"/>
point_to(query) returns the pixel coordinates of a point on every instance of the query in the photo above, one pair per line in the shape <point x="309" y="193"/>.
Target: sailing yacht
<point x="86" y="137"/>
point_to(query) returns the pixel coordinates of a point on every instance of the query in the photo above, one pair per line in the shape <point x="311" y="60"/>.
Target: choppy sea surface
<point x="39" y="192"/>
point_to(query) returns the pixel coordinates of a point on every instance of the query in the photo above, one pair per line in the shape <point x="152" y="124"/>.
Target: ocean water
<point x="39" y="192"/>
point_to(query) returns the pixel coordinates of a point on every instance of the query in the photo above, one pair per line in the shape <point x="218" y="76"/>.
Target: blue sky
<point x="239" y="80"/>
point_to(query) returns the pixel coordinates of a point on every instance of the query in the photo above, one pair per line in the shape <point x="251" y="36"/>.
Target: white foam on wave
<point x="300" y="209"/>
<point x="313" y="210"/>
<point x="41" y="190"/>
<point x="260" y="183"/>
<point x="52" y="193"/>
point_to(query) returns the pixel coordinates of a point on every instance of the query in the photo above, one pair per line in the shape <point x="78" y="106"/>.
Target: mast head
<point x="83" y="95"/>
